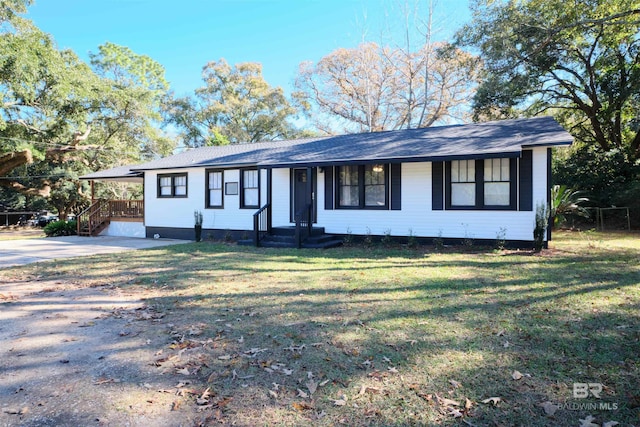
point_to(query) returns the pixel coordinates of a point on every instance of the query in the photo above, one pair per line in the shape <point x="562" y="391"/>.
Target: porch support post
<point x="93" y="192"/>
<point x="269" y="199"/>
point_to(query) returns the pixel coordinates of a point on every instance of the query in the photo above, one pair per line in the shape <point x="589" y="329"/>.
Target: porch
<point x="93" y="220"/>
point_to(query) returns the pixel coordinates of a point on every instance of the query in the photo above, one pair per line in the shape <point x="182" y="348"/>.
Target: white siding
<point x="125" y="229"/>
<point x="416" y="215"/>
<point x="178" y="212"/>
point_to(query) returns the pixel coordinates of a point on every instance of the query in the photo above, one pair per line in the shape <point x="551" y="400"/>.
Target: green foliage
<point x="566" y="201"/>
<point x="412" y="241"/>
<point x="438" y="242"/>
<point x="603" y="177"/>
<point x="501" y="238"/>
<point x="387" y="239"/>
<point x="542" y="220"/>
<point x="236" y="105"/>
<point x="577" y="60"/>
<point x="197" y="218"/>
<point x="61" y="118"/>
<point x="61" y="228"/>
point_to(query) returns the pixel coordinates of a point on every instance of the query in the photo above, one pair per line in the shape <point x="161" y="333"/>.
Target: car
<point x="43" y="220"/>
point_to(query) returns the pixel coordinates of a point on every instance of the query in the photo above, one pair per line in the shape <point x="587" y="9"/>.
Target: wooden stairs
<point x="285" y="237"/>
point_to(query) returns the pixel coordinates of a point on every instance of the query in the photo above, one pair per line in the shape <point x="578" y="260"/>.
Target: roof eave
<point x="413" y="159"/>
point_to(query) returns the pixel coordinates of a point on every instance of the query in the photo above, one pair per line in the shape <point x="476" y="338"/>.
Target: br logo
<point x="582" y="390"/>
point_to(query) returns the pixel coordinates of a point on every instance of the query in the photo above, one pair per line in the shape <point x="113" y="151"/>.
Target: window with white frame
<point x="463" y="183"/>
<point x="497" y="182"/>
<point x="250" y="188"/>
<point x="172" y="185"/>
<point x="215" y="183"/>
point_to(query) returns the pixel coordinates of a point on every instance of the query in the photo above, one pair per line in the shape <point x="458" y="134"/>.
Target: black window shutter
<point x="396" y="186"/>
<point x="437" y="194"/>
<point x="526" y="181"/>
<point x="513" y="187"/>
<point x="328" y="188"/>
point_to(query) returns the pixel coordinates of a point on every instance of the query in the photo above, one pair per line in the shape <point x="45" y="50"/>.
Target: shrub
<point x="542" y="218"/>
<point x="387" y="240"/>
<point x="61" y="228"/>
<point x="412" y="241"/>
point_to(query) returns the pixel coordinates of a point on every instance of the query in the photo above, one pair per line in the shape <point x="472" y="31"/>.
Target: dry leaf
<point x="500" y="333"/>
<point x="225" y="357"/>
<point x="467" y="405"/>
<point x="340" y="402"/>
<point x="287" y="371"/>
<point x="273" y="394"/>
<point x="302" y="394"/>
<point x="586" y="422"/>
<point x="204" y="397"/>
<point x="549" y="408"/>
<point x="610" y="424"/>
<point x="392" y="370"/>
<point x="241" y="339"/>
<point x="324" y="383"/>
<point x="516" y="375"/>
<point x="455" y="413"/>
<point x="312" y="386"/>
<point x="493" y="400"/>
<point x="301" y="406"/>
<point x="183" y="371"/>
<point x="455" y="383"/>
<point x="447" y="402"/>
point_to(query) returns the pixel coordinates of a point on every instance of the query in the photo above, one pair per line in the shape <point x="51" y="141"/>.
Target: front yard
<point x="373" y="336"/>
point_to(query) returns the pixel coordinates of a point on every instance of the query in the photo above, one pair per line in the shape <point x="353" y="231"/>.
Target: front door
<point x="300" y="191"/>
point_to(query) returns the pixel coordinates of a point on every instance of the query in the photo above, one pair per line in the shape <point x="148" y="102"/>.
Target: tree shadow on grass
<point x="251" y="324"/>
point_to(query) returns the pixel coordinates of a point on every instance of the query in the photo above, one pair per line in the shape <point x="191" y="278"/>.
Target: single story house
<point x="477" y="181"/>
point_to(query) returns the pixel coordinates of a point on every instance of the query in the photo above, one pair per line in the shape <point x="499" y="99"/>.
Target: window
<point x="481" y="184"/>
<point x="496" y="182"/>
<point x="215" y="180"/>
<point x="349" y="187"/>
<point x="463" y="183"/>
<point x="375" y="186"/>
<point x="250" y="188"/>
<point x="172" y="185"/>
<point x="363" y="187"/>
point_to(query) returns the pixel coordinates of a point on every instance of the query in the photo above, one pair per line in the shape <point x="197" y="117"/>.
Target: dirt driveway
<point x="76" y="353"/>
<point x="83" y="356"/>
<point x="26" y="251"/>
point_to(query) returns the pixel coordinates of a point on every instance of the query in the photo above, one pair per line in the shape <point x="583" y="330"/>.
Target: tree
<point x="59" y="118"/>
<point x="578" y="60"/>
<point x="236" y="105"/>
<point x="372" y="88"/>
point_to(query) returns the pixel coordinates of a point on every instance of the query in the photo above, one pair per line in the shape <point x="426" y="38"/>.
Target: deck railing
<point x="126" y="208"/>
<point x="93" y="219"/>
<point x="261" y="224"/>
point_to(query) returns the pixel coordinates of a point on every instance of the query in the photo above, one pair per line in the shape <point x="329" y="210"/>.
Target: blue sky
<point x="184" y="35"/>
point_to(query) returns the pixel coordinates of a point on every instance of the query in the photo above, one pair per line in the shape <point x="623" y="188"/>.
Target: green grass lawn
<point x="395" y="336"/>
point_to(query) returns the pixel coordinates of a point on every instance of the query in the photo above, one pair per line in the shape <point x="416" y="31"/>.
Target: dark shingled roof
<point x="121" y="173"/>
<point x="504" y="138"/>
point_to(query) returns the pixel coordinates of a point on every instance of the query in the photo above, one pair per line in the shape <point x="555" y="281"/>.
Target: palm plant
<point x="565" y="201"/>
